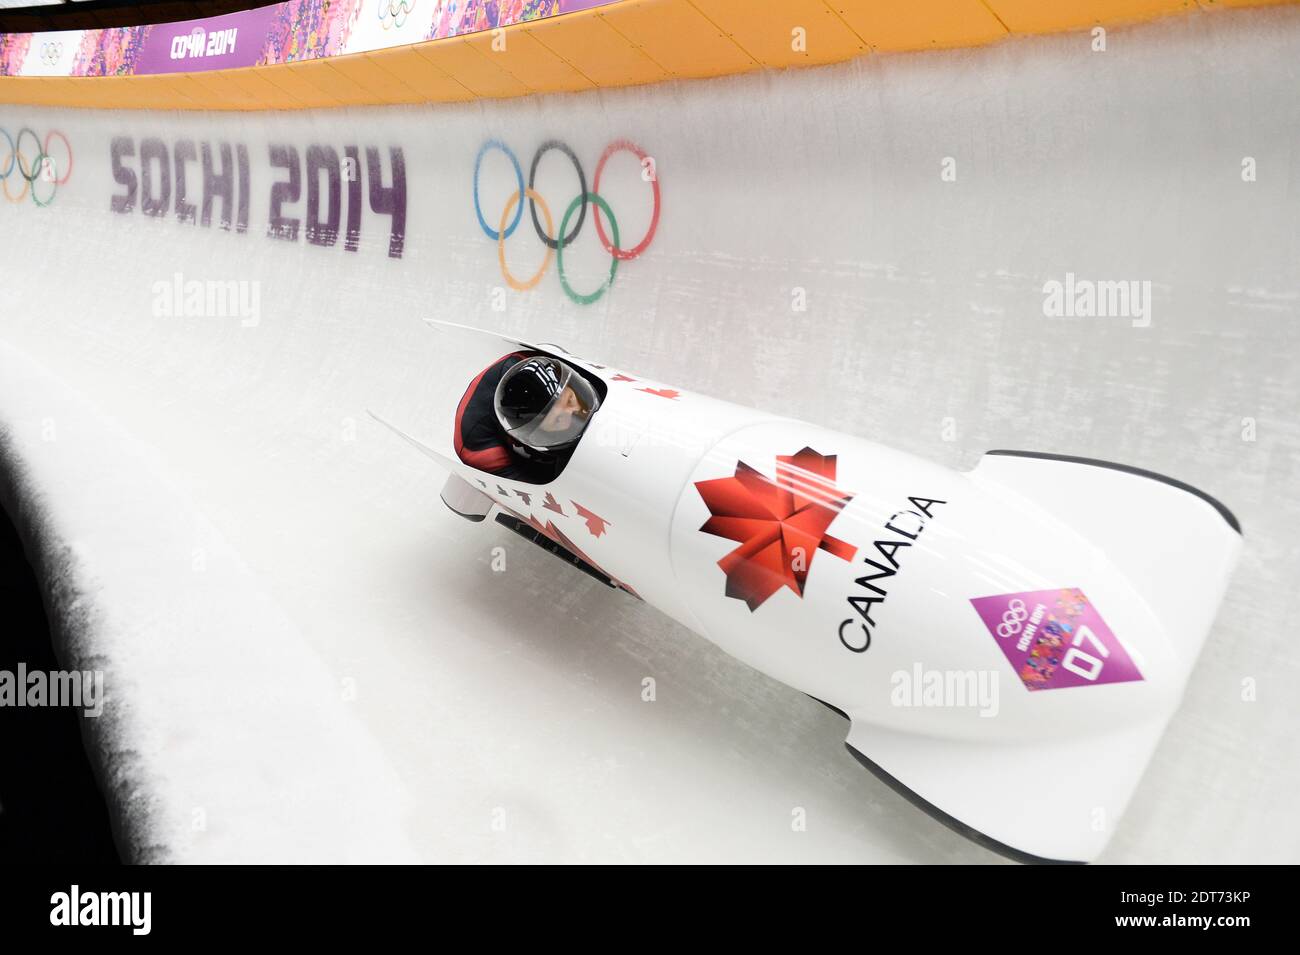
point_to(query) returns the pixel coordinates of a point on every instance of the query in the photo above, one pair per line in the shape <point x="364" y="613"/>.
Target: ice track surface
<point x="309" y="658"/>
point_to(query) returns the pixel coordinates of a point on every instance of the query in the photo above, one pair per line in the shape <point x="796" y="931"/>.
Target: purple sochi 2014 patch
<point x="1055" y="639"/>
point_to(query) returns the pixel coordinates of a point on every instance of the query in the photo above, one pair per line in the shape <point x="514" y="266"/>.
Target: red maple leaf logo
<point x="595" y="523"/>
<point x="779" y="523"/>
<point x="670" y="393"/>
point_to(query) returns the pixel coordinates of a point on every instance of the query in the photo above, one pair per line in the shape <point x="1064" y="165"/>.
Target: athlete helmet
<point x="544" y="405"/>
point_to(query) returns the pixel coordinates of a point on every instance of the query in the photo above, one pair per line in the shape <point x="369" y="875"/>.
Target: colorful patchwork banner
<point x="280" y="33"/>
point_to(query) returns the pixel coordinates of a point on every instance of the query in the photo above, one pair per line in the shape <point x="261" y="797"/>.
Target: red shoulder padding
<point x="494" y="457"/>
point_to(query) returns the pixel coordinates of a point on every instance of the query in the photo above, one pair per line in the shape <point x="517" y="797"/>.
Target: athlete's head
<point x="544" y="404"/>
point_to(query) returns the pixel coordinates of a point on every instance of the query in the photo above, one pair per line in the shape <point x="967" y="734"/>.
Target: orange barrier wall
<point x="627" y="43"/>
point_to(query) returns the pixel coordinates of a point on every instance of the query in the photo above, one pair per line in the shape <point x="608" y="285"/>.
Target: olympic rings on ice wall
<point x="555" y="240"/>
<point x="41" y="174"/>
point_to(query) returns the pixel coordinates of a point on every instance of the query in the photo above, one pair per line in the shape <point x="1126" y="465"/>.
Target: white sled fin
<point x="549" y="347"/>
<point x="1043" y="801"/>
<point x="440" y="326"/>
<point x="461" y="497"/>
<point x="452" y="467"/>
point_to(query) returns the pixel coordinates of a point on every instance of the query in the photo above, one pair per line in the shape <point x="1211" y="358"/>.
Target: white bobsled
<point x="1007" y="644"/>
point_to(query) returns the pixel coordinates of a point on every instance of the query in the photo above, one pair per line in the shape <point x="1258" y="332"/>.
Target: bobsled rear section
<point x="1008" y="643"/>
<point x="1059" y="799"/>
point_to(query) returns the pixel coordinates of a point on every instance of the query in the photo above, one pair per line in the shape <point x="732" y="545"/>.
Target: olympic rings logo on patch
<point x="51" y="52"/>
<point x="41" y="168"/>
<point x="554" y="241"/>
<point x="1014" y="618"/>
<point x="397" y="10"/>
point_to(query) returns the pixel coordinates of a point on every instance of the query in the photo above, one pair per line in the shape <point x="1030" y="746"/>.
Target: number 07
<point x="1075" y="654"/>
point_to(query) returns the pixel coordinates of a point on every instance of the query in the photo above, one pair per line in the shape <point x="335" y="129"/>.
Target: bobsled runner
<point x="1007" y="644"/>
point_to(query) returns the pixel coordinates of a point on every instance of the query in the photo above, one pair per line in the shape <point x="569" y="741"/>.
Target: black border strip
<point x="94" y="14"/>
<point x="1226" y="514"/>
